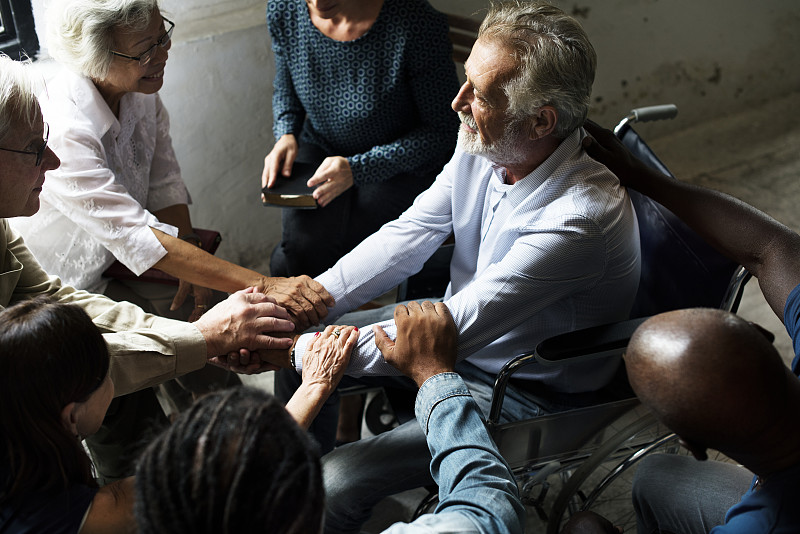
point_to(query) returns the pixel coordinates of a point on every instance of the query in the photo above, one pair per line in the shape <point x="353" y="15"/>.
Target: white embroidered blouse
<point x="97" y="206"/>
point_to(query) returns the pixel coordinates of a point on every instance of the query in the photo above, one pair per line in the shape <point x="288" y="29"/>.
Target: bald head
<point x="710" y="376"/>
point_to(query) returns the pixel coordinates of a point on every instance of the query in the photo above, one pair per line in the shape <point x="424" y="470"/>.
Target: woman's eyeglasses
<point x="148" y="54"/>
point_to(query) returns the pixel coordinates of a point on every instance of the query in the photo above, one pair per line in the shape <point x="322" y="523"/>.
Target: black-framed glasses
<point x="148" y="54"/>
<point x="38" y="153"/>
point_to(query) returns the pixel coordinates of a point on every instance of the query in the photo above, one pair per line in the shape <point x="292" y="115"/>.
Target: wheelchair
<point x="588" y="449"/>
<point x="585" y="454"/>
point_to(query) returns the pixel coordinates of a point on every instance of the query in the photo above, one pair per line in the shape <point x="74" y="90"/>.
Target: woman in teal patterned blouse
<point x="367" y="83"/>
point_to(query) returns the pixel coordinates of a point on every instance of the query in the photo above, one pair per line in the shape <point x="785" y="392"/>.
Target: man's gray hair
<point x="80" y="33"/>
<point x="18" y="88"/>
<point x="556" y="60"/>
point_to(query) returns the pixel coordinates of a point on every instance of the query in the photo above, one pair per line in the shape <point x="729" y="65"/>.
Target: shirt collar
<point x="525" y="187"/>
<point x="95" y="109"/>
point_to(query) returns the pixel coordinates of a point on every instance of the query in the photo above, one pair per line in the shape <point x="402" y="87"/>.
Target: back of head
<point x="80" y="33"/>
<point x="712" y="377"/>
<point x="557" y="61"/>
<point x="51" y="354"/>
<point x="18" y="87"/>
<point x="235" y="462"/>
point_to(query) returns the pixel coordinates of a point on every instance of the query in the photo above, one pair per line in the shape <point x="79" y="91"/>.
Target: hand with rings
<point x="327" y="355"/>
<point x="202" y="298"/>
<point x="324" y="363"/>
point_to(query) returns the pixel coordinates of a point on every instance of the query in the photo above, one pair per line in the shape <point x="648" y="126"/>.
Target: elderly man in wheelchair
<point x="523" y="204"/>
<point x="545" y="241"/>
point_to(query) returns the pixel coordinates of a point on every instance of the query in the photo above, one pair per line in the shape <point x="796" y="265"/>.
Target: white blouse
<point x="97" y="206"/>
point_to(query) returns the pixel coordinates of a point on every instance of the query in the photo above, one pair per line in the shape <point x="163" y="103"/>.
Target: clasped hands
<point x="425" y="344"/>
<point x="251" y="331"/>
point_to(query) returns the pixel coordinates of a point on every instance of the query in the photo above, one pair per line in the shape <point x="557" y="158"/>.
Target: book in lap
<point x="292" y="192"/>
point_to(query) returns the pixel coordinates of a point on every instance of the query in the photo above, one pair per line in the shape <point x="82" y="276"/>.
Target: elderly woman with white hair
<point x="119" y="194"/>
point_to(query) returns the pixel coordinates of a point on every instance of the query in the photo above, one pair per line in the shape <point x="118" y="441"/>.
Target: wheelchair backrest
<point x="679" y="269"/>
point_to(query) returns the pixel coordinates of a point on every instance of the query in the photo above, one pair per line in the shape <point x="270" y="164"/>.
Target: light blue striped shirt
<point x="557" y="251"/>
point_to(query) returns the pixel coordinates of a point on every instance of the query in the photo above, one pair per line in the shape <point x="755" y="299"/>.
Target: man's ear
<point x="68" y="418"/>
<point x="700" y="452"/>
<point x="543" y="123"/>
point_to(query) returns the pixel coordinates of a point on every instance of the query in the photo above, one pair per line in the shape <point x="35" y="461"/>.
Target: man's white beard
<point x="508" y="150"/>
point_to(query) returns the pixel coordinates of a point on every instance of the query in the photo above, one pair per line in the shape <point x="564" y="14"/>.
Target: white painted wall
<point x="711" y="58"/>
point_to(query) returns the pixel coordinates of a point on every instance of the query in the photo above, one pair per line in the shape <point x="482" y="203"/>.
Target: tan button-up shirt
<point x="145" y="349"/>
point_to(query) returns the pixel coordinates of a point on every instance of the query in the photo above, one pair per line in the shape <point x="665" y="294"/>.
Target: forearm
<point x="393" y="253"/>
<point x="287" y="111"/>
<point x="151" y="349"/>
<point x="188" y="262"/>
<point x="764" y="246"/>
<point x="305" y="404"/>
<point x="460" y="444"/>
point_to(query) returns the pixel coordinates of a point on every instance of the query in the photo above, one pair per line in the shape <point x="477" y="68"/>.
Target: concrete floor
<point x="754" y="155"/>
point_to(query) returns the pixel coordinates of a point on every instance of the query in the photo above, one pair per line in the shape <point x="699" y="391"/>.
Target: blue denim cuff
<point x="434" y="391"/>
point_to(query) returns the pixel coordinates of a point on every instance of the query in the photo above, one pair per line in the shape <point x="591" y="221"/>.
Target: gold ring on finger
<point x="337" y="332"/>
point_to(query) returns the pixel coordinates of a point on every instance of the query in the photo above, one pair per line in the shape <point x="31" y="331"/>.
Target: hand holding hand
<point x="608" y="150"/>
<point x="333" y="177"/>
<point x="426" y="341"/>
<point x="279" y="161"/>
<point x="246" y="362"/>
<point x="242" y="321"/>
<point x="306" y="300"/>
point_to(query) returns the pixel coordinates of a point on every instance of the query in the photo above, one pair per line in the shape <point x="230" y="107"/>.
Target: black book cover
<point x="292" y="192"/>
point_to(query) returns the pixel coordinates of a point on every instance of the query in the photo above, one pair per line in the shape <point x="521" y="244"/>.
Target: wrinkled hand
<point x="202" y="299"/>
<point x="333" y="177"/>
<point x="279" y="161"/>
<point x="608" y="150"/>
<point x="327" y="355"/>
<point x="306" y="300"/>
<point x="589" y="523"/>
<point x="244" y="321"/>
<point x="426" y="340"/>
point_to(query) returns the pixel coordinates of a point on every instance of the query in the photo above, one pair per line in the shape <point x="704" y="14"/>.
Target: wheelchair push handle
<point x="655" y="113"/>
<point x="647" y="114"/>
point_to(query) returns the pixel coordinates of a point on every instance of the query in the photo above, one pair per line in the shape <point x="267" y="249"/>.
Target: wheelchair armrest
<point x="570" y="347"/>
<point x="587" y="344"/>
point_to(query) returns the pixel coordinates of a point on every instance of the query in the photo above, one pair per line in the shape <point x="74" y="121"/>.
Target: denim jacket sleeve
<point x="477" y="490"/>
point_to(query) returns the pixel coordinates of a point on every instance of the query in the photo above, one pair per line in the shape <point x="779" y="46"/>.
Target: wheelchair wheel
<point x="379" y="415"/>
<point x="603" y="481"/>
